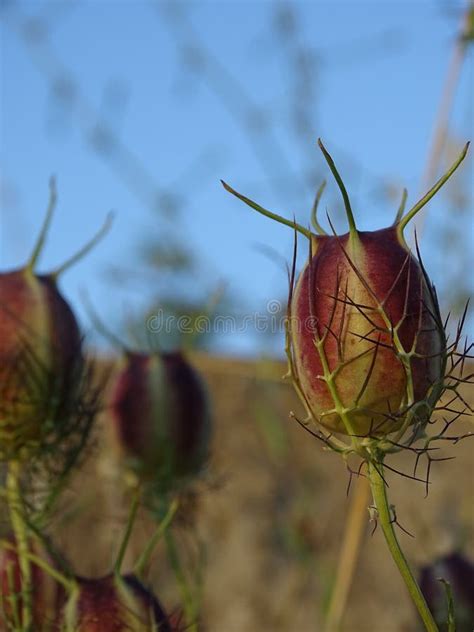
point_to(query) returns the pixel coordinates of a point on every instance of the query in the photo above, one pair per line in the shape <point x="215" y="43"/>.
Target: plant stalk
<point x="186" y="594"/>
<point x="379" y="492"/>
<point x="128" y="530"/>
<point x="20" y="532"/>
<point x="43" y="564"/>
<point x="441" y="127"/>
<point x="145" y="557"/>
<point x="353" y="534"/>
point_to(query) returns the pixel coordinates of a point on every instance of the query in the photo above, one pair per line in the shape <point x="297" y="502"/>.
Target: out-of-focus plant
<point x="448" y="587"/>
<point x="47" y="401"/>
<point x="112" y="604"/>
<point x="159" y="428"/>
<point x="367" y="350"/>
<point x="47" y="593"/>
<point x="44" y="395"/>
<point x="161" y="420"/>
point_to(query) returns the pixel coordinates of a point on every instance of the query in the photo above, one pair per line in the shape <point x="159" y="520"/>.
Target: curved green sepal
<point x="86" y="248"/>
<point x="432" y="192"/>
<point x="314" y="211"/>
<point x="264" y="211"/>
<point x="342" y="188"/>
<point x="401" y="208"/>
<point x="37" y="250"/>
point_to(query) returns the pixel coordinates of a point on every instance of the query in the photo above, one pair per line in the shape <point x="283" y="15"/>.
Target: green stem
<point x="15" y="506"/>
<point x="12" y="598"/>
<point x="144" y="558"/>
<point x="379" y="492"/>
<point x="186" y="595"/>
<point x="128" y="530"/>
<point x="451" y="622"/>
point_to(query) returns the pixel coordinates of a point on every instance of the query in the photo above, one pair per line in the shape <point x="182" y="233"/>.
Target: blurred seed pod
<point x="112" y="604"/>
<point x="47" y="401"/>
<point x="160" y="418"/>
<point x="47" y="597"/>
<point x="458" y="571"/>
<point x="41" y="362"/>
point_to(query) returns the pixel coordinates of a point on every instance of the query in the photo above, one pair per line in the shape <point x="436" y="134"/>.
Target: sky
<point x="142" y="107"/>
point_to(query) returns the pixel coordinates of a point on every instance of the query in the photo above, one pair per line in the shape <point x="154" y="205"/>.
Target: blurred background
<point x="143" y="107"/>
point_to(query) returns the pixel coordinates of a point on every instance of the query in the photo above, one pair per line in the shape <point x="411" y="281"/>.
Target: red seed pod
<point x="46" y="597"/>
<point x="160" y="417"/>
<point x="41" y="361"/>
<point x="365" y="342"/>
<point x="40" y="358"/>
<point x="112" y="604"/>
<point x="365" y="331"/>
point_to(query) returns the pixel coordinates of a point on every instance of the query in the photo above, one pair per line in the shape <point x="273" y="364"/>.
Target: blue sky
<point x="379" y="69"/>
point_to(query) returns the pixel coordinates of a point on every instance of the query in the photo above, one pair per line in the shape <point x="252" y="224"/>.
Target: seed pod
<point x="365" y="342"/>
<point x="40" y="359"/>
<point x="360" y="307"/>
<point x="160" y="417"/>
<point x="459" y="572"/>
<point x="42" y="367"/>
<point x="46" y="596"/>
<point x="368" y="344"/>
<point x="112" y="604"/>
